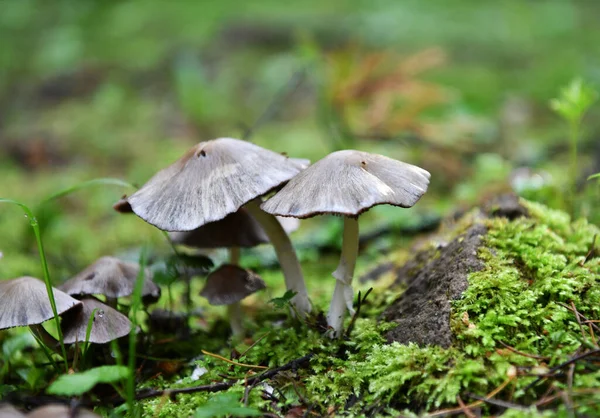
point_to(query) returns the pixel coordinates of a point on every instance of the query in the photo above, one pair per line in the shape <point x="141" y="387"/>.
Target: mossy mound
<point x="520" y="337"/>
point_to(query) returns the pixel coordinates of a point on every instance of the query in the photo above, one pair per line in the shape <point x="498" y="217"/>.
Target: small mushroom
<point x="214" y="179"/>
<point x="61" y="411"/>
<point x="112" y="278"/>
<point x="9" y="411"/>
<point x="108" y="323"/>
<point x="348" y="183"/>
<point x="238" y="229"/>
<point x="228" y="285"/>
<point x="24" y="302"/>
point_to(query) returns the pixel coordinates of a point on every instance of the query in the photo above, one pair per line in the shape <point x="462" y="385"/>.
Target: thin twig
<point x="360" y="301"/>
<point x="576" y="312"/>
<point x="514" y="350"/>
<point x="496" y="402"/>
<point x="235" y="363"/>
<point x="218" y="387"/>
<point x="451" y="411"/>
<point x="254" y="343"/>
<point x="466" y="410"/>
<point x="590" y="252"/>
<point x="586" y="320"/>
<point x="560" y="366"/>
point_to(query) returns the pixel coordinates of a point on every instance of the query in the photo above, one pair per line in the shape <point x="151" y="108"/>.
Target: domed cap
<point x="229" y="284"/>
<point x="24" y="301"/>
<point x="108" y="324"/>
<point x="111" y="277"/>
<point x="348" y="183"/>
<point x="213" y="179"/>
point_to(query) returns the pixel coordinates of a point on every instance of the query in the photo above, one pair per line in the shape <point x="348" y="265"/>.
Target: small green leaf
<point x="594" y="176"/>
<point x="225" y="404"/>
<point x="79" y="383"/>
<point x="574" y="100"/>
<point x="283" y="301"/>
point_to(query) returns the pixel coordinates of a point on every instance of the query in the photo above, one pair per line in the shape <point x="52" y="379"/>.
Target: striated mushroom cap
<point x="111" y="277"/>
<point x="24" y="301"/>
<point x="348" y="183"/>
<point x="229" y="284"/>
<point x="108" y="324"/>
<point x="211" y="180"/>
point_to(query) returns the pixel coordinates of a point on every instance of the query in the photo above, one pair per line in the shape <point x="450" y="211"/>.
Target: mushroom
<point x="24" y="302"/>
<point x="61" y="411"/>
<point x="108" y="323"/>
<point x="236" y="230"/>
<point x="9" y="411"/>
<point x="112" y="278"/>
<point x="216" y="178"/>
<point x="348" y="183"/>
<point x="228" y="285"/>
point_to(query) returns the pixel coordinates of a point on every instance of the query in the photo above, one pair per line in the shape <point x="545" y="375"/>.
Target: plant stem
<point x="294" y="280"/>
<point x="36" y="230"/>
<point x="136" y="299"/>
<point x="574" y="138"/>
<point x="343" y="294"/>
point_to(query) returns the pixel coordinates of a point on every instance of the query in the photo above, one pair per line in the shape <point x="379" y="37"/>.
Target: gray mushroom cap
<point x="348" y="183"/>
<point x="238" y="229"/>
<point x="211" y="180"/>
<point x="229" y="284"/>
<point x="111" y="277"/>
<point x="24" y="301"/>
<point x="108" y="324"/>
<point x="9" y="411"/>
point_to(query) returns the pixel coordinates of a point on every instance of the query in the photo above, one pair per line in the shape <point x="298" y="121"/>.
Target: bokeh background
<point x="93" y="88"/>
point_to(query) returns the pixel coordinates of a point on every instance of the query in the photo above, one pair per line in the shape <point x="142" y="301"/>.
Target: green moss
<point x="531" y="274"/>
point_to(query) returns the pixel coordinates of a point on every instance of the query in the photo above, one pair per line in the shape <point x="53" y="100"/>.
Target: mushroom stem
<point x="294" y="280"/>
<point x="343" y="294"/>
<point x="234" y="256"/>
<point x="234" y="311"/>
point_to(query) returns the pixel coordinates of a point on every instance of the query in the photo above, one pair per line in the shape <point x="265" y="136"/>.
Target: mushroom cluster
<point x="212" y="197"/>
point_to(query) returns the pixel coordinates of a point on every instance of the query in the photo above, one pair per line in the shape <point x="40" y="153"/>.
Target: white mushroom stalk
<point x="294" y="280"/>
<point x="234" y="311"/>
<point x="343" y="295"/>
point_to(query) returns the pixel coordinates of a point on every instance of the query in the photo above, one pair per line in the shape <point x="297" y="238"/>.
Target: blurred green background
<point x="122" y="88"/>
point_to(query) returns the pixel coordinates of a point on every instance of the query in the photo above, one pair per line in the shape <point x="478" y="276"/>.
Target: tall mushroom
<point x="216" y="178"/>
<point x="24" y="302"/>
<point x="348" y="183"/>
<point x="113" y="278"/>
<point x="228" y="285"/>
